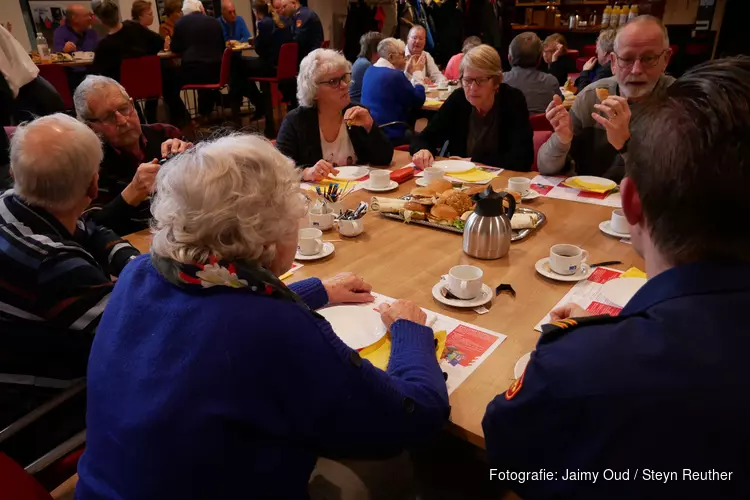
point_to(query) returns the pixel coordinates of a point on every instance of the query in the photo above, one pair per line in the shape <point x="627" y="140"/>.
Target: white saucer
<point x="454" y="166"/>
<point x="356" y="326"/>
<point x="542" y="267"/>
<point x="521" y="365"/>
<point x="325" y="252"/>
<point x="530" y="195"/>
<point x="390" y="187"/>
<point x="421" y="181"/>
<point x="606" y="228"/>
<point x="484" y="297"/>
<point x="350" y="173"/>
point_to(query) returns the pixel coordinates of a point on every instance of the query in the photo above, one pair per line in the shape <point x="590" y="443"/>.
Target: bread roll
<point x="440" y="185"/>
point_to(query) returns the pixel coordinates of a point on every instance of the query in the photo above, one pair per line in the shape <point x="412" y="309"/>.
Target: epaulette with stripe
<point x="556" y="329"/>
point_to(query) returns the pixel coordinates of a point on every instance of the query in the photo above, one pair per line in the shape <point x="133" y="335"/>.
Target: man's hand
<point x="358" y="117"/>
<point x="142" y="184"/>
<point x="69" y="47"/>
<point x="318" y="172"/>
<point x="347" y="288"/>
<point x="174" y="146"/>
<point x="590" y="64"/>
<point x="416" y="63"/>
<point x="617" y="122"/>
<point x="402" y="309"/>
<point x="423" y="159"/>
<point x="560" y="119"/>
<point x="9" y="27"/>
<point x="570" y="310"/>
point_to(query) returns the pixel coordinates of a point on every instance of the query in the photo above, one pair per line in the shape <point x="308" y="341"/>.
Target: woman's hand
<point x="558" y="52"/>
<point x="422" y="159"/>
<point x="318" y="172"/>
<point x="590" y="64"/>
<point x="402" y="309"/>
<point x="347" y="288"/>
<point x="359" y="117"/>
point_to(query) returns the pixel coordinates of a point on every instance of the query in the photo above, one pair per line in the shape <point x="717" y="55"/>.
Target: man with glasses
<point x="131" y="153"/>
<point x="594" y="134"/>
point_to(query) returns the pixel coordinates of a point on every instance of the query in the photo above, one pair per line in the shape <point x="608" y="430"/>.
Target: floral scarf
<point x="246" y="276"/>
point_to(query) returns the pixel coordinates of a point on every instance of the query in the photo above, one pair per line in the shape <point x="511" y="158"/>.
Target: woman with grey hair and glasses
<point x="327" y="130"/>
<point x="207" y="366"/>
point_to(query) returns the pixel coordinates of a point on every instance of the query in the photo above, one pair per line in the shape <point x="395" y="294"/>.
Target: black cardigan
<point x="299" y="139"/>
<point x="451" y="123"/>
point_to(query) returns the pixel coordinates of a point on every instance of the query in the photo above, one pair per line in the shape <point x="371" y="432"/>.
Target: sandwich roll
<point x="415" y="207"/>
<point x="386" y="205"/>
<point x="440" y="185"/>
<point x="524" y="221"/>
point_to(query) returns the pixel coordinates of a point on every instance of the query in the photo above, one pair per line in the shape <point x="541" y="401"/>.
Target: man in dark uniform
<point x="306" y="27"/>
<point x="653" y="403"/>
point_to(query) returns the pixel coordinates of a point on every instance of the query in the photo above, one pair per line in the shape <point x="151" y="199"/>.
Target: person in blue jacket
<point x="307" y="29"/>
<point x="272" y="32"/>
<point x="607" y="402"/>
<point x="389" y="94"/>
<point x="209" y="377"/>
<point x="233" y="26"/>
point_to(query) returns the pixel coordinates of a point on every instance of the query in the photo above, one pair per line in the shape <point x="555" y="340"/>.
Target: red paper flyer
<point x="464" y="345"/>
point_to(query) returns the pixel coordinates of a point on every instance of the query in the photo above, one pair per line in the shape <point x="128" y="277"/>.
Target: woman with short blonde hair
<point x="327" y="130"/>
<point x="206" y="364"/>
<point x="485" y="120"/>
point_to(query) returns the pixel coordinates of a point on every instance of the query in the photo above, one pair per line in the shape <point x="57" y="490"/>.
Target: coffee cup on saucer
<point x="380" y="179"/>
<point x="432" y="174"/>
<point x="519" y="185"/>
<point x="323" y="221"/>
<point x="465" y="282"/>
<point x="350" y="227"/>
<point x="310" y="241"/>
<point x="567" y="259"/>
<point x="618" y="223"/>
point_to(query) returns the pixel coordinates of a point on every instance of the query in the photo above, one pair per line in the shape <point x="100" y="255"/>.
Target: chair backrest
<point x="288" y="67"/>
<point x="540" y="137"/>
<point x="540" y="122"/>
<point x="226" y="67"/>
<point x="57" y="77"/>
<point x="573" y="53"/>
<point x="18" y="484"/>
<point x="141" y="77"/>
<point x="588" y="51"/>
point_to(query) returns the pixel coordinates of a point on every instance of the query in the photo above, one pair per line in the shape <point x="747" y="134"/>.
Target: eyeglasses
<point x="125" y="110"/>
<point x="467" y="82"/>
<point x="336" y="82"/>
<point x="646" y="61"/>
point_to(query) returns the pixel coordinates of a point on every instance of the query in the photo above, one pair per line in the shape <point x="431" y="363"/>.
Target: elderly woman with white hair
<point x="209" y="375"/>
<point x="485" y="120"/>
<point x="327" y="130"/>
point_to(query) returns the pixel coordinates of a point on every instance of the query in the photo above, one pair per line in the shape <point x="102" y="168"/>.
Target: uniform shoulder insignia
<point x="299" y="23"/>
<point x="515" y="387"/>
<point x="556" y="329"/>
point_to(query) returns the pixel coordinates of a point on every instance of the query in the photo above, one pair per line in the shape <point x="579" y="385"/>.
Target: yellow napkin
<point x="473" y="175"/>
<point x="433" y="102"/>
<point x="380" y="352"/>
<point x="634" y="272"/>
<point x="589" y="186"/>
<point x="286" y="275"/>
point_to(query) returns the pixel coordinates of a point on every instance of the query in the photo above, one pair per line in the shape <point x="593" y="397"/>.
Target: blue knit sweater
<point x="391" y="98"/>
<point x="225" y="394"/>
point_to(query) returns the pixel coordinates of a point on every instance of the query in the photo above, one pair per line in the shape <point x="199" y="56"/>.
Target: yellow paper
<point x="433" y="102"/>
<point x="473" y="175"/>
<point x="379" y="353"/>
<point x="285" y="275"/>
<point x="634" y="272"/>
<point x="589" y="186"/>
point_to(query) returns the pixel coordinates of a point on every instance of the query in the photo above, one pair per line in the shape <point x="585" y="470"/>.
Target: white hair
<point x="190" y="6"/>
<point x="644" y="19"/>
<point x="390" y="46"/>
<point x="234" y="197"/>
<point x="53" y="160"/>
<point x="93" y="84"/>
<point x="313" y="67"/>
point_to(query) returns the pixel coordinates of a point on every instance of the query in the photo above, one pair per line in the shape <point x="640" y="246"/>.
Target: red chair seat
<point x="141" y="77"/>
<point x="539" y="122"/>
<point x="17" y="484"/>
<point x="226" y="68"/>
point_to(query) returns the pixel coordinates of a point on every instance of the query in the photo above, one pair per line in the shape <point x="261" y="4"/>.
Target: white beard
<point x="637" y="92"/>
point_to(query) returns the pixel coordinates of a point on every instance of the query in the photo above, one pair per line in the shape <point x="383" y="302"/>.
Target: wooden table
<point x="405" y="261"/>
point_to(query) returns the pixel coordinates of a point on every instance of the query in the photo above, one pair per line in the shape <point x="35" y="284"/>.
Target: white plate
<point x="606" y="228"/>
<point x="619" y="291"/>
<point x="454" y="166"/>
<point x="421" y="181"/>
<point x="542" y="267"/>
<point x="530" y="195"/>
<point x="325" y="252"/>
<point x="390" y="187"/>
<point x="350" y="173"/>
<point x="591" y="179"/>
<point x="480" y="300"/>
<point x="521" y="365"/>
<point x="356" y="326"/>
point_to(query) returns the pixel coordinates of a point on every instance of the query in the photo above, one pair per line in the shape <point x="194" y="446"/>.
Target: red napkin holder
<point x="403" y="174"/>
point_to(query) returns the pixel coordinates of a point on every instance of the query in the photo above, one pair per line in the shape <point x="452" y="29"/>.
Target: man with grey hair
<point x="595" y="133"/>
<point x="599" y="66"/>
<point x="415" y="50"/>
<point x="131" y="153"/>
<point x="56" y="272"/>
<point x="524" y="54"/>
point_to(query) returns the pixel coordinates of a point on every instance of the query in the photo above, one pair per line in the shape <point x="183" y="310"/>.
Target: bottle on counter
<point x="605" y="16"/>
<point x="633" y="12"/>
<point x="614" y="17"/>
<point x="43" y="48"/>
<point x="624" y="12"/>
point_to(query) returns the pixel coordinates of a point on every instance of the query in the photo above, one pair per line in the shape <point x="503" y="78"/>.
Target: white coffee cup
<point x="619" y="223"/>
<point x="380" y="178"/>
<point x="322" y="221"/>
<point x="350" y="228"/>
<point x="519" y="184"/>
<point x="433" y="174"/>
<point x="566" y="259"/>
<point x="465" y="282"/>
<point x="310" y="241"/>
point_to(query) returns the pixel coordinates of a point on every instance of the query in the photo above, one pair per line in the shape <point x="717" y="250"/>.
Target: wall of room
<point x="685" y="12"/>
<point x="11" y="12"/>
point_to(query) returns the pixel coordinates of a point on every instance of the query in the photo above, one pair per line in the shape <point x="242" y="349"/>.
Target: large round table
<point x="405" y="261"/>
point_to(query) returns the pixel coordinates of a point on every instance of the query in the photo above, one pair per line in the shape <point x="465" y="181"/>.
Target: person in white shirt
<point x="23" y="93"/>
<point x="415" y="51"/>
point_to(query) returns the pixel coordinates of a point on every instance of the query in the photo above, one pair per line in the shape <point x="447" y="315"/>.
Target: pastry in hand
<point x="602" y="93"/>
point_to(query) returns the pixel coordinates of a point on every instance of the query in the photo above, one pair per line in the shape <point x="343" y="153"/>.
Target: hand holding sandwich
<point x="617" y="120"/>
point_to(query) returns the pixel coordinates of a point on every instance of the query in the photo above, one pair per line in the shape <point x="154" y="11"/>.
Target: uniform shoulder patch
<point x="515" y="387"/>
<point x="299" y="23"/>
<point x="556" y="329"/>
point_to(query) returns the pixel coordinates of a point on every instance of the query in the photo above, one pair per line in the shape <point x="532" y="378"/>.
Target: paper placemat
<point x="552" y="187"/>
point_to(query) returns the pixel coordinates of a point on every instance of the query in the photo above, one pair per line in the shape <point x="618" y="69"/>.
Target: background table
<point x="405" y="261"/>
